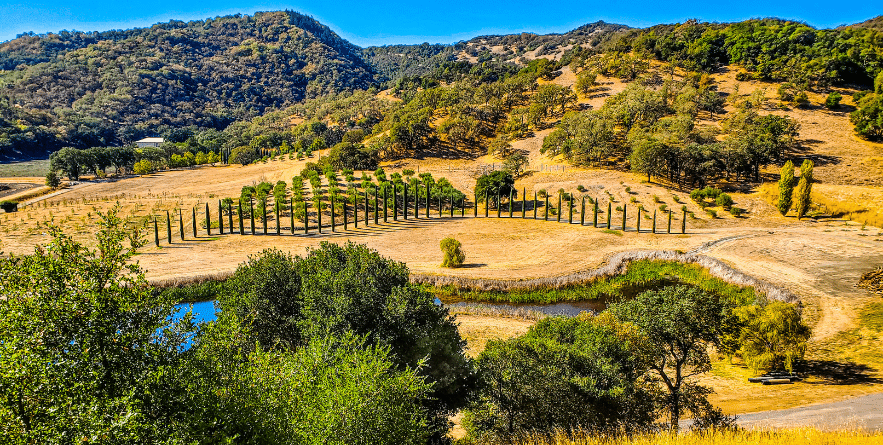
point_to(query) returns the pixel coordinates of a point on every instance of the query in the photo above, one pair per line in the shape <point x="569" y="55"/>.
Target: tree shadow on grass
<point x="840" y="373"/>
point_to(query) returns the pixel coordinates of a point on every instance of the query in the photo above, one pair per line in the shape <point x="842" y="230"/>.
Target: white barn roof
<point x="152" y="140"/>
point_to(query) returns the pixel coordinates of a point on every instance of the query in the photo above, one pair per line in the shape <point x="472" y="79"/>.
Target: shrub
<point x="833" y="100"/>
<point x="454" y="255"/>
<point x="9" y="206"/>
<point x="581" y="188"/>
<point x="736" y="211"/>
<point x="724" y="200"/>
<point x="711" y="213"/>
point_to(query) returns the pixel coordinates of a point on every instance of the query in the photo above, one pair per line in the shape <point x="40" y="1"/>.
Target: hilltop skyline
<point x="400" y="22"/>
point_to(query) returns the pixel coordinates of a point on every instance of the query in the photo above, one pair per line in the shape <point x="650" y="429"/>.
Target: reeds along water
<point x="616" y="265"/>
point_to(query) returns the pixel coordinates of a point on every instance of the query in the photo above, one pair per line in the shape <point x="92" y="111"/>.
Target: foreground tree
<point x="680" y="323"/>
<point x="86" y="348"/>
<point x="565" y="375"/>
<point x="285" y="302"/>
<point x="773" y="336"/>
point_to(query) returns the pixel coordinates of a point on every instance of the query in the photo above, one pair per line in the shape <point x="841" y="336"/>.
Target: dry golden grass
<point x="797" y="436"/>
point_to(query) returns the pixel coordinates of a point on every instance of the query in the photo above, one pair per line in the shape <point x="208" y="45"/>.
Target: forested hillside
<point x="104" y="89"/>
<point x="91" y="89"/>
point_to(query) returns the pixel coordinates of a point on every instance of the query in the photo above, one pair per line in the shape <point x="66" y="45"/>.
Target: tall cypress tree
<point x="264" y="213"/>
<point x="169" y="226"/>
<point x="546" y="209"/>
<point x="181" y="223"/>
<point x="534" y="204"/>
<point x="291" y="213"/>
<point x="669" y="220"/>
<point x="623" y="216"/>
<point x="395" y="202"/>
<point x="582" y="212"/>
<point x="804" y="189"/>
<point x="405" y="199"/>
<point x="306" y="219"/>
<point x="155" y="231"/>
<point x="220" y="217"/>
<point x="277" y="209"/>
<point x="595" y="213"/>
<point x="333" y="221"/>
<point x="239" y="214"/>
<point x="609" y="214"/>
<point x="385" y="203"/>
<point x="558" y="213"/>
<point x="786" y="188"/>
<point x="366" y="207"/>
<point x="684" y="222"/>
<point x="230" y="217"/>
<point x="523" y="201"/>
<point x="638" y="221"/>
<point x="511" y="197"/>
<point x="194" y="221"/>
<point x="251" y="212"/>
<point x="208" y="221"/>
<point x="499" y="203"/>
<point x="654" y="221"/>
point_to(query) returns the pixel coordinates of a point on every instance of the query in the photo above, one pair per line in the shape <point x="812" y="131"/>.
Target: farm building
<point x="150" y="142"/>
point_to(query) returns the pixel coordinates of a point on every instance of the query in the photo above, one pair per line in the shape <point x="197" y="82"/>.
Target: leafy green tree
<point x="143" y="167"/>
<point x="565" y="375"/>
<point x="86" y="349"/>
<point x="288" y="301"/>
<point x="680" y="323"/>
<point x="499" y="182"/>
<point x="244" y="155"/>
<point x="52" y="179"/>
<point x="454" y="255"/>
<point x="68" y="161"/>
<point x="804" y="189"/>
<point x="648" y="156"/>
<point x="868" y="116"/>
<point x="773" y="336"/>
<point x="786" y="188"/>
<point x="515" y="163"/>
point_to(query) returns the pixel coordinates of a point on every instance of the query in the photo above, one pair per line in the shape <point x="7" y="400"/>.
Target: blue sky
<point x="395" y="21"/>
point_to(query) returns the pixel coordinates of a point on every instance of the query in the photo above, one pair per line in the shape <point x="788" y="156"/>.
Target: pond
<point x="205" y="310"/>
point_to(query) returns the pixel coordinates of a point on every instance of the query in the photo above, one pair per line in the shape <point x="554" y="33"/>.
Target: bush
<point x="454" y="255"/>
<point x="833" y="100"/>
<point x="9" y="206"/>
<point x="724" y="200"/>
<point x="736" y="211"/>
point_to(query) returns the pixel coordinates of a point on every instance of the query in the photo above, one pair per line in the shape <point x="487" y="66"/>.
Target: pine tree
<point x="786" y="187"/>
<point x="804" y="189"/>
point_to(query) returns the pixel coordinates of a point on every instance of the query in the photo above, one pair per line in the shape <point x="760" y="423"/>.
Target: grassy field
<point x="36" y="168"/>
